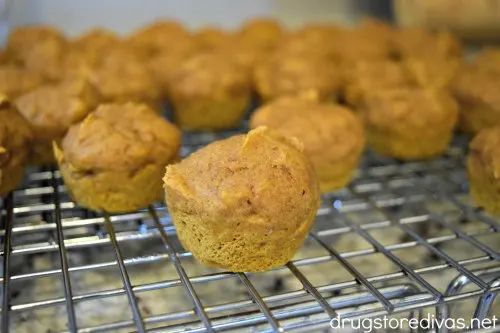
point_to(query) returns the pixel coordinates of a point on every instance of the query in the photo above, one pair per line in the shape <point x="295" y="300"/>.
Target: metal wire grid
<point x="383" y="186"/>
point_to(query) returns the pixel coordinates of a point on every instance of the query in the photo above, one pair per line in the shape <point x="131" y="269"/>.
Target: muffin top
<point x="367" y="77"/>
<point x="22" y="39"/>
<point x="15" y="81"/>
<point x="410" y="111"/>
<point x="212" y="37"/>
<point x="431" y="72"/>
<point x="52" y="108"/>
<point x="475" y="86"/>
<point x="120" y="137"/>
<point x="261" y="176"/>
<point x="95" y="40"/>
<point x="262" y="33"/>
<point x="209" y="75"/>
<point x="328" y="131"/>
<point x="292" y="75"/>
<point x="486" y="147"/>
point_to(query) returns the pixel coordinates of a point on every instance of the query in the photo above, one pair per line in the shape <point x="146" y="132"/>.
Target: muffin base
<point x="335" y="176"/>
<point x="112" y="191"/>
<point x="484" y="188"/>
<point x="413" y="148"/>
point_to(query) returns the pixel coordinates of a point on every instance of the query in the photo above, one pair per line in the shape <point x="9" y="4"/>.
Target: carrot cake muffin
<point x="114" y="159"/>
<point x="209" y="91"/>
<point x="332" y="135"/>
<point x="483" y="166"/>
<point x="476" y="90"/>
<point x="15" y="81"/>
<point x="367" y="77"/>
<point x="410" y="123"/>
<point x="244" y="203"/>
<point x="15" y="139"/>
<point x="51" y="109"/>
<point x="292" y="74"/>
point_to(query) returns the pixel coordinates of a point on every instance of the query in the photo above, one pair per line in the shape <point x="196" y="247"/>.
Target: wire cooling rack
<point x="403" y="240"/>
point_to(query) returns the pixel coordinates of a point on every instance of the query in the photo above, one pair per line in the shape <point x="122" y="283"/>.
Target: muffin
<point x="483" y="166"/>
<point x="15" y="81"/>
<point x="96" y="41"/>
<point x="293" y="74"/>
<point x="159" y="36"/>
<point x="410" y="123"/>
<point x="368" y="77"/>
<point x="209" y="92"/>
<point x="432" y="72"/>
<point x="244" y="203"/>
<point x="476" y="91"/>
<point x="332" y="135"/>
<point x="114" y="159"/>
<point x="261" y="33"/>
<point x="369" y="41"/>
<point x="211" y="38"/>
<point x="418" y="42"/>
<point x="488" y="59"/>
<point x="51" y="109"/>
<point x="15" y="139"/>
<point x="38" y="48"/>
<point x="122" y="76"/>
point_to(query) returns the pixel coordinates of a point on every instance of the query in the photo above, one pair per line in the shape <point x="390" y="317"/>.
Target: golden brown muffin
<point x="209" y="92"/>
<point x="371" y="40"/>
<point x="432" y="72"/>
<point x="97" y="41"/>
<point x="15" y="81"/>
<point x="15" y="139"/>
<point x="38" y="48"/>
<point x="483" y="166"/>
<point x="476" y="91"/>
<point x="123" y="76"/>
<point x="261" y="33"/>
<point x="211" y="38"/>
<point x="51" y="109"/>
<point x="159" y="36"/>
<point x="293" y="74"/>
<point x="332" y="135"/>
<point x="244" y="203"/>
<point x="368" y="77"/>
<point x="418" y="42"/>
<point x="488" y="59"/>
<point x="410" y="123"/>
<point x="114" y="159"/>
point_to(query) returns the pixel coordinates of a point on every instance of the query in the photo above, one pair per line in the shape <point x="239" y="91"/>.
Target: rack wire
<point x="415" y="218"/>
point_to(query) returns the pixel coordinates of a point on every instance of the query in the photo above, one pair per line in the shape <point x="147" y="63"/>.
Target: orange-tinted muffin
<point x="410" y="123"/>
<point x="476" y="90"/>
<point x="261" y="33"/>
<point x="244" y="203"/>
<point x="38" y="48"/>
<point x="332" y="135"/>
<point x="488" y="59"/>
<point x="432" y="72"/>
<point x="51" y="109"/>
<point x="211" y="38"/>
<point x="413" y="42"/>
<point x="483" y="166"/>
<point x="209" y="91"/>
<point x="368" y="77"/>
<point x="15" y="81"/>
<point x="159" y="36"/>
<point x="115" y="158"/>
<point x="292" y="75"/>
<point x="15" y="139"/>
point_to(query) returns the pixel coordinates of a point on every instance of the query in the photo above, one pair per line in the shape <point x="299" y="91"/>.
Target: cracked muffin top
<point x="121" y="137"/>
